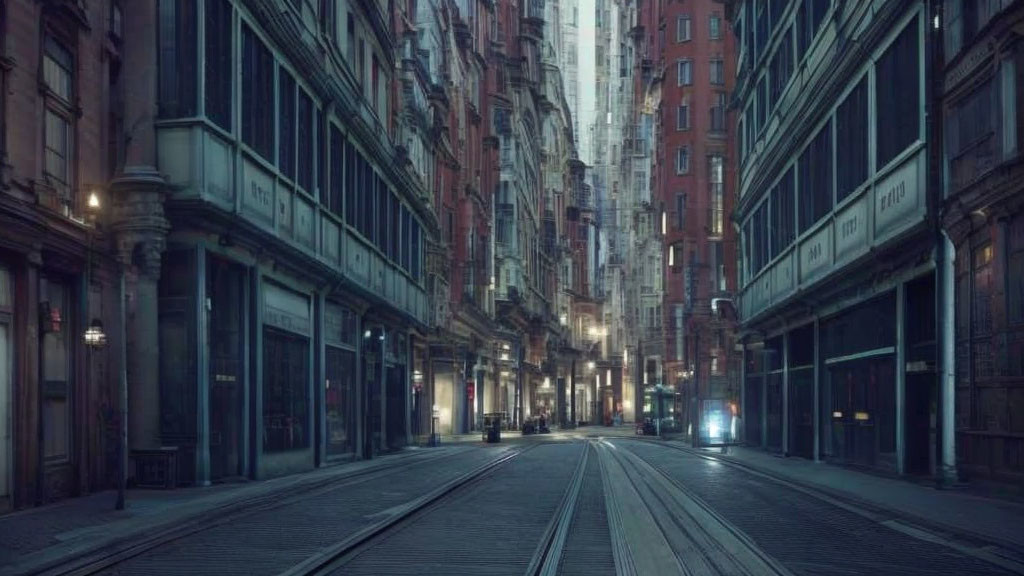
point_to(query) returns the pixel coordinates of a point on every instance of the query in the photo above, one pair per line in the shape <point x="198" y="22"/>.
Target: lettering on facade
<point x="814" y="254"/>
<point x="896" y="199"/>
<point x="260" y="196"/>
<point x="893" y="197"/>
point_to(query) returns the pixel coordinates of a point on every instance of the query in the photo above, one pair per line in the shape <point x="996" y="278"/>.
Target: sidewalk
<point x="33" y="539"/>
<point x="957" y="512"/>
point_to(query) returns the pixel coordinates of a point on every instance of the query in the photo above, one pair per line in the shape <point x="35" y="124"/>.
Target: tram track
<point x="659" y="526"/>
<point x="445" y="517"/>
<point x="120" y="552"/>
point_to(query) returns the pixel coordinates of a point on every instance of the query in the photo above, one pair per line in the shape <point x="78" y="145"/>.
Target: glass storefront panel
<point x="339" y="398"/>
<point x="285" y="391"/>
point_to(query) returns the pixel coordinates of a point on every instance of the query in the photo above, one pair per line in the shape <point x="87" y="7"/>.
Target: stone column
<point x="138" y="222"/>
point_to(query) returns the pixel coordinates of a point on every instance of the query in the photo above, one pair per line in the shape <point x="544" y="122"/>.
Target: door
<point x="224" y="287"/>
<point x="396" y="395"/>
<point x="863" y="412"/>
<point x="919" y="423"/>
<point x="5" y="411"/>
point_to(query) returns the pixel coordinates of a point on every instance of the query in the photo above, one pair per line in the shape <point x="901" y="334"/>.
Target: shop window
<point x="852" y="132"/>
<point x="56" y="327"/>
<point x="897" y="94"/>
<point x="177" y="58"/>
<point x="381" y="205"/>
<point x="304" y="136"/>
<point x="285" y="391"/>
<point x="286" y="123"/>
<point x="368" y="198"/>
<point x="339" y="399"/>
<point x="217" y="69"/>
<point x="257" y="95"/>
<point x="815" y="179"/>
<point x="321" y="158"/>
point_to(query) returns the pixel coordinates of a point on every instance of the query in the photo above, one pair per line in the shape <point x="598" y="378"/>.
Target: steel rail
<point x="119" y="552"/>
<point x="548" y="555"/>
<point x="334" y="557"/>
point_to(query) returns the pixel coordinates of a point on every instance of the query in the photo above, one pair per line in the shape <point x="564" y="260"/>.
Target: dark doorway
<point x="339" y="400"/>
<point x="225" y="289"/>
<point x="919" y="426"/>
<point x="864" y="412"/>
<point x="373" y="368"/>
<point x="396" y="395"/>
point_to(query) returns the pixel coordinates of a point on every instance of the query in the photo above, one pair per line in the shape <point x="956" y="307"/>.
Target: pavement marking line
<point x="982" y="552"/>
<point x="90" y="560"/>
<point x="548" y="555"/>
<point x="329" y="559"/>
<point x="726" y="545"/>
<point x="633" y="527"/>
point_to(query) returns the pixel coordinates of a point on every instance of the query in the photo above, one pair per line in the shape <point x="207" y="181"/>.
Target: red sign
<point x="470" y="391"/>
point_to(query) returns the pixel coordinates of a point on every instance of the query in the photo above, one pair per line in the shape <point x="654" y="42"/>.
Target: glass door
<point x="225" y="288"/>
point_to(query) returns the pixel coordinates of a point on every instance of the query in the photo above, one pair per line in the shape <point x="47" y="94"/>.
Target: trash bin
<point x="492" y="427"/>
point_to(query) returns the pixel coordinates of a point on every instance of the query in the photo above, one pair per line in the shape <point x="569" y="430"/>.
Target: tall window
<point x="716" y="184"/>
<point x="782" y="214"/>
<point x="58" y="76"/>
<point x="762" y="104"/>
<point x="683" y="116"/>
<point x="897" y="93"/>
<point x="286" y="123"/>
<point x="338" y="155"/>
<point x="351" y="182"/>
<point x="684" y="72"/>
<point x="217" y="68"/>
<point x="717" y="72"/>
<point x="304" y="131"/>
<point x="350" y="45"/>
<point x="680" y="210"/>
<point x="682" y="160"/>
<point x="970" y="130"/>
<point x="257" y="95"/>
<point x="718" y="113"/>
<point x="56" y="371"/>
<point x="715" y="27"/>
<point x="781" y="67"/>
<point x="683" y="28"/>
<point x="809" y="18"/>
<point x="178" y="58"/>
<point x="1015" y="272"/>
<point x="285" y="391"/>
<point x="816" y="179"/>
<point x="852" y="133"/>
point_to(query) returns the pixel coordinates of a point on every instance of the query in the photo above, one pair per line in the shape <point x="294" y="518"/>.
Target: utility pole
<point x="695" y="436"/>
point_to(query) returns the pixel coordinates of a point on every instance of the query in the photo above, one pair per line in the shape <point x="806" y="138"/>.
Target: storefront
<point x="859" y="397"/>
<point x="341" y="332"/>
<point x="286" y="387"/>
<point x="226" y="290"/>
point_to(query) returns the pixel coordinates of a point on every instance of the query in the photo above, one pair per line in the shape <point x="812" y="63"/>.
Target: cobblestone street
<point x="588" y="501"/>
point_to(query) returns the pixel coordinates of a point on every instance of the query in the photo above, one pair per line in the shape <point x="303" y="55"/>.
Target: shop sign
<point x="896" y="199"/>
<point x="258" y="193"/>
<point x="852" y="229"/>
<point x="285" y="309"/>
<point x="815" y="254"/>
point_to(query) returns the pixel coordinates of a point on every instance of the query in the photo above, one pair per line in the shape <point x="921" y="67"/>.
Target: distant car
<point x="647" y="428"/>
